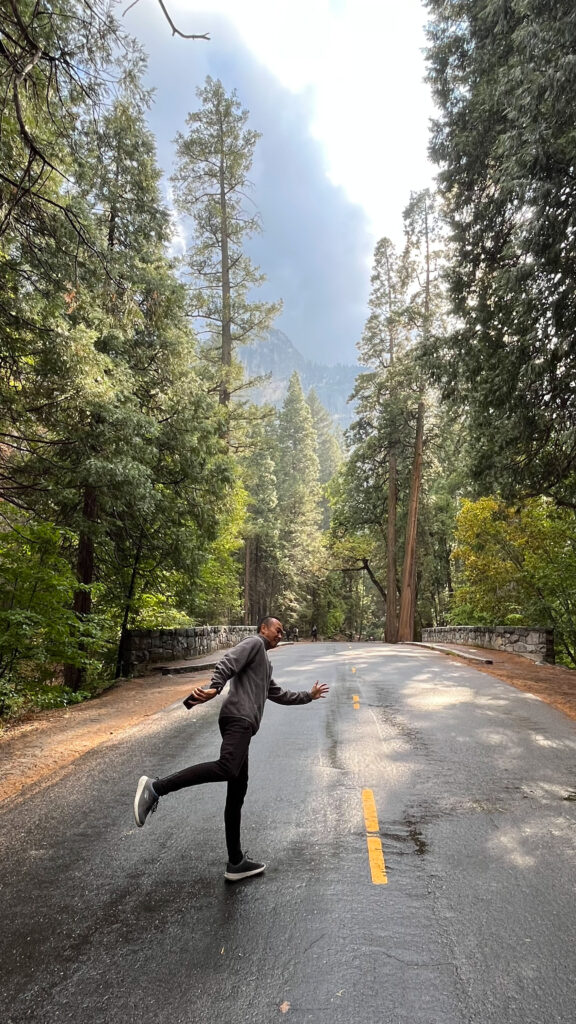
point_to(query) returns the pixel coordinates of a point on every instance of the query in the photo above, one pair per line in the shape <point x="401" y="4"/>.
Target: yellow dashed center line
<point x="370" y="812"/>
<point x="376" y="858"/>
<point x="373" y="841"/>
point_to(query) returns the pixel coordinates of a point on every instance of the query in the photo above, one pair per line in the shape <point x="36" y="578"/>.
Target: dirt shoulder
<point x="552" y="683"/>
<point x="52" y="740"/>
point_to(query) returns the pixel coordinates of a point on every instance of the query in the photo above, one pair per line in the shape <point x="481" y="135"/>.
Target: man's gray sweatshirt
<point x="249" y="671"/>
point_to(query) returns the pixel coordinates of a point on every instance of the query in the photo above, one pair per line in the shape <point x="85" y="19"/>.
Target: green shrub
<point x="39" y="631"/>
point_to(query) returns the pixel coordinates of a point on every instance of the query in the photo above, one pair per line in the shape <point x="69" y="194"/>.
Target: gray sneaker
<point x="145" y="801"/>
<point x="245" y="869"/>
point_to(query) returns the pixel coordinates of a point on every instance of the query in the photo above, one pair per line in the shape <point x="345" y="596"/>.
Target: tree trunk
<point x="448" y="571"/>
<point x="121" y="668"/>
<point x="247" y="580"/>
<point x="408" y="592"/>
<point x="73" y="675"/>
<point x="391" y="624"/>
<point x="226" y="354"/>
<point x="361" y="623"/>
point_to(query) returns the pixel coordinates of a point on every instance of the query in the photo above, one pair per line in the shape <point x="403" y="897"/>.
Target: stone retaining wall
<point x="537" y="644"/>
<point x="145" y="648"/>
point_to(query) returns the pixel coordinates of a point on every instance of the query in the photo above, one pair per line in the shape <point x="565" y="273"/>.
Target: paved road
<point x="474" y="787"/>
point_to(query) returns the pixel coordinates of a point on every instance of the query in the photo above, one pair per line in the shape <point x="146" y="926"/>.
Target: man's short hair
<point x="266" y="622"/>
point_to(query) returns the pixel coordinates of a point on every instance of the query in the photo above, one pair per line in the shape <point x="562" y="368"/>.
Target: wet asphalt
<point x="475" y="790"/>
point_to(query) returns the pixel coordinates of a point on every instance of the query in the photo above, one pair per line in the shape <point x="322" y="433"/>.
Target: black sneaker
<point x="245" y="869"/>
<point x="145" y="801"/>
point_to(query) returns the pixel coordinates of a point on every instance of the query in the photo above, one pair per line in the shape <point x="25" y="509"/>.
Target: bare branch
<point x="175" y="31"/>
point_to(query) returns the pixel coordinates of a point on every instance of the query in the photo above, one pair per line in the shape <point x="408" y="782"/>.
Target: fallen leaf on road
<point x="285" y="1007"/>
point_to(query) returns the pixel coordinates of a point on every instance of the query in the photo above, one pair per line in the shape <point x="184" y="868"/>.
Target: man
<point x="249" y="671"/>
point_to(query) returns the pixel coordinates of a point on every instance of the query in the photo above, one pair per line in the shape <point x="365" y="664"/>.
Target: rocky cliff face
<point x="277" y="358"/>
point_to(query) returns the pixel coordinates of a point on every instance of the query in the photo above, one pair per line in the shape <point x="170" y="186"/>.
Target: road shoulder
<point x="553" y="684"/>
<point x="52" y="740"/>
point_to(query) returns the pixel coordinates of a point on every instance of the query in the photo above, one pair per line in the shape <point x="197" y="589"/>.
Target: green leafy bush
<point x="517" y="566"/>
<point x="16" y="701"/>
<point x="39" y="631"/>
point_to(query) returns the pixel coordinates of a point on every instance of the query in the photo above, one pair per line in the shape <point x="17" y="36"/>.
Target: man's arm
<point x="288" y="697"/>
<point x="229" y="665"/>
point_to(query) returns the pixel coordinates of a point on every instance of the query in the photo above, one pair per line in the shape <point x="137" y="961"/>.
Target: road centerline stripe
<point x="373" y="841"/>
<point x="376" y="858"/>
<point x="370" y="812"/>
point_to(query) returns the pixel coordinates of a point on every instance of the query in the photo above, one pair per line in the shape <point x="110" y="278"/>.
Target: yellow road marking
<point x="355" y="696"/>
<point x="373" y="841"/>
<point x="370" y="813"/>
<point x="353" y="669"/>
<point x="376" y="858"/>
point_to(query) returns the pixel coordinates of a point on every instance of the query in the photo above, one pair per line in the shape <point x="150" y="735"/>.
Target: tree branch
<point x="175" y="31"/>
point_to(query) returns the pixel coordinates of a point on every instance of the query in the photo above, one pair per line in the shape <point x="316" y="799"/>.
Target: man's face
<point x="272" y="632"/>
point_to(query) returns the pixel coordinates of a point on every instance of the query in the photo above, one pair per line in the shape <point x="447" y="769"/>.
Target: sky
<point x="336" y="87"/>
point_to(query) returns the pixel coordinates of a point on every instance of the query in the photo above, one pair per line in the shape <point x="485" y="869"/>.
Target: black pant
<point x="231" y="767"/>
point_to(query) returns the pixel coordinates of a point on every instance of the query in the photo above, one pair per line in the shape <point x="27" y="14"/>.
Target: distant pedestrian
<point x="314" y="632"/>
<point x="248" y="668"/>
<point x="295" y="635"/>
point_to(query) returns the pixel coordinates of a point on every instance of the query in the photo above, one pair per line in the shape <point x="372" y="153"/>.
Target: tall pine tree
<point x="299" y="498"/>
<point x="503" y="76"/>
<point x="211" y="185"/>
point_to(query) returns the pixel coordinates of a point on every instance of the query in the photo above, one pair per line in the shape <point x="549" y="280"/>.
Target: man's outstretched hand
<point x="199" y="695"/>
<point x="319" y="690"/>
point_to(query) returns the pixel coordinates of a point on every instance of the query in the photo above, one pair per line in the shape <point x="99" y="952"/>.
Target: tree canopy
<point x="503" y="75"/>
<point x="140" y="485"/>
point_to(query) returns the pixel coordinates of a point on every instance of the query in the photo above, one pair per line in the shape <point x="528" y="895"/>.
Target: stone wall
<point x="145" y="648"/>
<point x="537" y="644"/>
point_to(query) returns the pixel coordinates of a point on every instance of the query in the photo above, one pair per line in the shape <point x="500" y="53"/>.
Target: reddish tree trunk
<point x="408" y="592"/>
<point x="391" y="624"/>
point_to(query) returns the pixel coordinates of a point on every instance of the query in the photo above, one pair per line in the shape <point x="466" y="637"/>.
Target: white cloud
<point x="361" y="66"/>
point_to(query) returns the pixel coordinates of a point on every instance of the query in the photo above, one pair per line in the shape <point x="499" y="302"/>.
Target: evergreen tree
<point x="59" y="62"/>
<point x="211" y="184"/>
<point x="116" y="440"/>
<point x="382" y="486"/>
<point x="299" y="496"/>
<point x="328" y="449"/>
<point x="261" y="574"/>
<point x="503" y="80"/>
<point x="384" y="339"/>
<point x="421" y="229"/>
